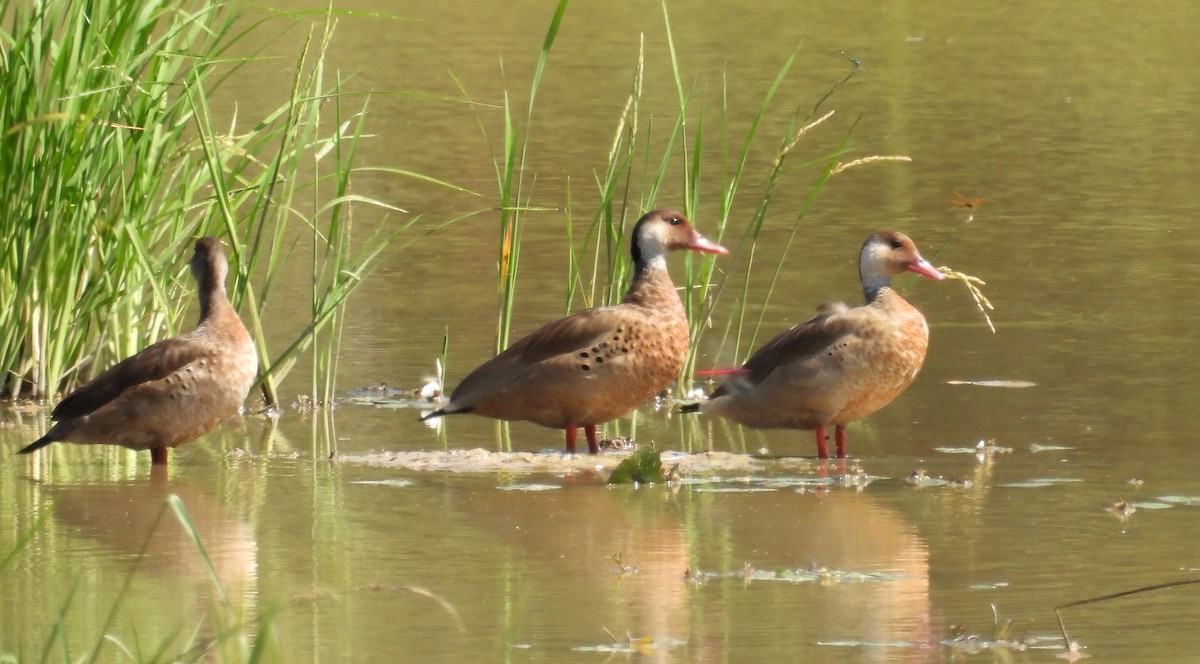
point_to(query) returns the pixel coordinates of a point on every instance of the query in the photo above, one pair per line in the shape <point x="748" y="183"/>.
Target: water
<point x="1075" y="123"/>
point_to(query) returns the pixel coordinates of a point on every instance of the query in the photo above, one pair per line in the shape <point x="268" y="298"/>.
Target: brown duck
<point x="598" y="364"/>
<point x="171" y="392"/>
<point x="841" y="366"/>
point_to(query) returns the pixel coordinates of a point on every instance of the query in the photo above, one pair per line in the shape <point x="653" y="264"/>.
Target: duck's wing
<point x="153" y="363"/>
<point x="541" y="356"/>
<point x="808" y="339"/>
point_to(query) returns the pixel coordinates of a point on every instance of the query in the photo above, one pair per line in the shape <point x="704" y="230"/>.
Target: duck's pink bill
<point x="701" y="243"/>
<point x="925" y="269"/>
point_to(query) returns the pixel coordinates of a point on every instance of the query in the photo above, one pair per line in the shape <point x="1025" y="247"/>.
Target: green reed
<point x="599" y="270"/>
<point x="111" y="164"/>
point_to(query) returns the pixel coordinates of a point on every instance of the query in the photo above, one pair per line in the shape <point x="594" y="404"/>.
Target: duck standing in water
<point x="598" y="364"/>
<point x="841" y="366"/>
<point x="171" y="392"/>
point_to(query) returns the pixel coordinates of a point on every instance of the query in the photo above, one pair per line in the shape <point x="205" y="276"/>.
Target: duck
<point x="597" y="364"/>
<point x="842" y="365"/>
<point x="173" y="391"/>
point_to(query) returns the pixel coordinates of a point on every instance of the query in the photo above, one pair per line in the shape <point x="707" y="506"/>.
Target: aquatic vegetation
<point x="1004" y="638"/>
<point x="644" y="466"/>
<point x="113" y="164"/>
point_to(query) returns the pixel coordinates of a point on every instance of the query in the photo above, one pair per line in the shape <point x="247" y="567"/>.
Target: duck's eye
<point x="675" y="221"/>
<point x="896" y="244"/>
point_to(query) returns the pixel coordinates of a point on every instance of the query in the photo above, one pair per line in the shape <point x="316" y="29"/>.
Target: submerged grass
<point x="111" y="163"/>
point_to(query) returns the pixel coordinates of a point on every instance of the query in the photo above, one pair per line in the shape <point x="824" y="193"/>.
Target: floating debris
<point x="555" y="461"/>
<point x="814" y="574"/>
<point x="1151" y="505"/>
<point x="1039" y="482"/>
<point x="1122" y="509"/>
<point x="754" y="484"/>
<point x="620" y="443"/>
<point x="382" y="395"/>
<point x="430" y="390"/>
<point x="390" y="482"/>
<point x="645" y="645"/>
<point x="919" y="479"/>
<point x="1003" y="638"/>
<point x="1036" y="448"/>
<point x="619" y="560"/>
<point x="378" y="391"/>
<point x="983" y="447"/>
<point x="855" y="643"/>
<point x="1186" y="501"/>
<point x="994" y="383"/>
<point x="529" y="487"/>
<point x="988" y="586"/>
<point x="972" y="644"/>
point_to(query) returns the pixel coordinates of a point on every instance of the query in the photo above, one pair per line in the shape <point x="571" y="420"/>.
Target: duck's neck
<point x="213" y="299"/>
<point x="872" y="277"/>
<point x="873" y="287"/>
<point x="651" y="285"/>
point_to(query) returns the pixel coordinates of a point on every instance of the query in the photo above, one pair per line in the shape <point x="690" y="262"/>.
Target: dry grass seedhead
<point x="799" y="135"/>
<point x="845" y="166"/>
<point x="973" y="284"/>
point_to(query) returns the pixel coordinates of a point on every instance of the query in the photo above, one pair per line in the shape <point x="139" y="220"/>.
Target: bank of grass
<point x="111" y="165"/>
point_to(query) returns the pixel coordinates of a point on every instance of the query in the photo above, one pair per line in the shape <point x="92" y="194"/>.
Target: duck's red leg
<point x="571" y="432"/>
<point x="158" y="456"/>
<point x="839" y="433"/>
<point x="589" y="430"/>
<point x="822" y="448"/>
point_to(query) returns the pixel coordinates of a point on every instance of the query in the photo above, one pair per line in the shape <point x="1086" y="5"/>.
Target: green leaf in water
<point x="644" y="466"/>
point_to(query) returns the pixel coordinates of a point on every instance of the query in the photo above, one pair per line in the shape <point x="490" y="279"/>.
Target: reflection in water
<point x="840" y="530"/>
<point x="133" y="526"/>
<point x="569" y="539"/>
<point x="576" y="541"/>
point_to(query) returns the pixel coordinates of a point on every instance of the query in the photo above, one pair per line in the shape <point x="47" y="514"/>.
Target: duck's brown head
<point x="210" y="268"/>
<point x="661" y="231"/>
<point x="886" y="254"/>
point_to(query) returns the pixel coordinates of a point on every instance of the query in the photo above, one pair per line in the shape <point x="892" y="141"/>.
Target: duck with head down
<point x="597" y="364"/>
<point x="841" y="366"/>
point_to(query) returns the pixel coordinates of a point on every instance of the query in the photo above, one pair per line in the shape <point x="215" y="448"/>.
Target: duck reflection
<point x="132" y="526"/>
<point x="665" y="565"/>
<point x="873" y="567"/>
<point x="607" y="563"/>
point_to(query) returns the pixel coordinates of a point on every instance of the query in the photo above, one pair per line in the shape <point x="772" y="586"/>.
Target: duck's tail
<point x="37" y="444"/>
<point x="441" y="412"/>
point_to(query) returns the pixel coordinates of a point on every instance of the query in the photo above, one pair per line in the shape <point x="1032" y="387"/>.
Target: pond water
<point x="1077" y="123"/>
